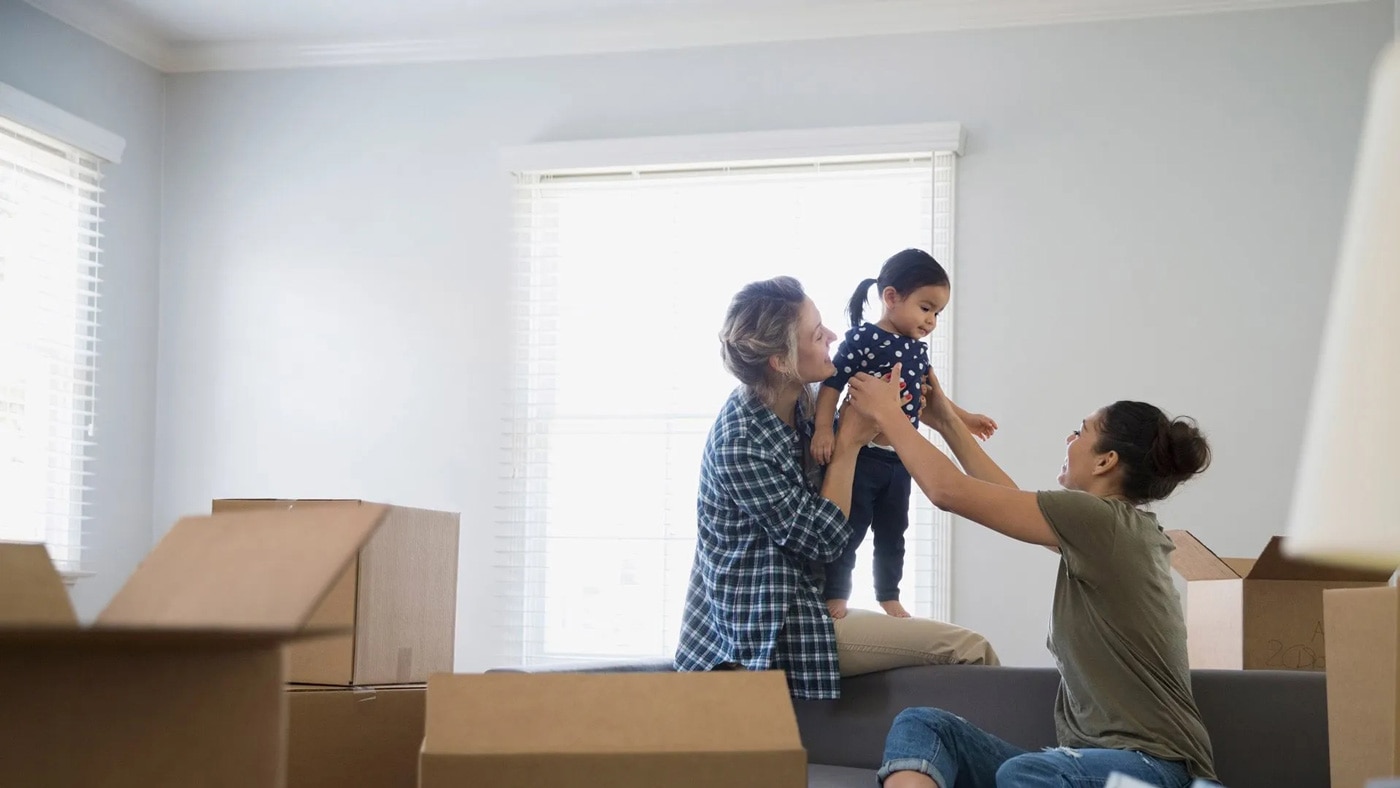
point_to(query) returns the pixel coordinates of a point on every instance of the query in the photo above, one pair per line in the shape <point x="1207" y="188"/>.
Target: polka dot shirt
<point x="871" y="349"/>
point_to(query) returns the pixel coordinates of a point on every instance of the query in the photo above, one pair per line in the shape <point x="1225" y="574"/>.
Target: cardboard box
<point x="1260" y="614"/>
<point x="398" y="600"/>
<point x="612" y="730"/>
<point x="179" y="682"/>
<point x="345" y="736"/>
<point x="1363" y="676"/>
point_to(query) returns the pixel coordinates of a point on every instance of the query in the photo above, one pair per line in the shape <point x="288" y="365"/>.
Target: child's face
<point x="915" y="315"/>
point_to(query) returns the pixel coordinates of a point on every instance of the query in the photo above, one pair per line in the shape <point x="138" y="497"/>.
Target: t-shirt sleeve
<point x="849" y="359"/>
<point x="1088" y="530"/>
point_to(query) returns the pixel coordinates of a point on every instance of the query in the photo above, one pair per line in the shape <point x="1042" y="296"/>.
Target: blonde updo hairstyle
<point x="762" y="323"/>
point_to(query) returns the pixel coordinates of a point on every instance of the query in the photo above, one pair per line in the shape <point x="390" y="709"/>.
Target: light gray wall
<point x="1147" y="210"/>
<point x="74" y="72"/>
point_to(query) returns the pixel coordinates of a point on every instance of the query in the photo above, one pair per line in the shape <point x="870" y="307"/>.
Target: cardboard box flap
<point x="31" y="591"/>
<point x="138" y="638"/>
<point x="222" y="505"/>
<point x="1194" y="561"/>
<point x="257" y="570"/>
<point x="1272" y="564"/>
<point x="500" y="713"/>
<point x="1239" y="566"/>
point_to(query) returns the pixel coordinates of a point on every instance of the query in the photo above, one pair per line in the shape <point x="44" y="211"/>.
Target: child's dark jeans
<point x="880" y="504"/>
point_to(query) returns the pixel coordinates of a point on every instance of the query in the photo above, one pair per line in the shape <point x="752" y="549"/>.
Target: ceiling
<point x="208" y="35"/>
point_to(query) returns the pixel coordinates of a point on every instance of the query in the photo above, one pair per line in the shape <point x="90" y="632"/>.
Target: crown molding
<point x="647" y="30"/>
<point x="120" y="31"/>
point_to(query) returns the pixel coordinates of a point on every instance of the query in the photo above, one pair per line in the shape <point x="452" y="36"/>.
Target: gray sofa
<point x="1268" y="728"/>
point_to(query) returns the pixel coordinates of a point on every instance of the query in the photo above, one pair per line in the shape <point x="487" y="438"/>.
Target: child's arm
<point x="978" y="424"/>
<point x="824" y="434"/>
<point x="829" y="392"/>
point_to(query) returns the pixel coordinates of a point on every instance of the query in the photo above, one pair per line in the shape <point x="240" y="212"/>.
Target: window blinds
<point x="622" y="282"/>
<point x="50" y="213"/>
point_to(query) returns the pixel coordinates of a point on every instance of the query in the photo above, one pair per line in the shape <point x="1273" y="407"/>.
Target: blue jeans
<point x="957" y="754"/>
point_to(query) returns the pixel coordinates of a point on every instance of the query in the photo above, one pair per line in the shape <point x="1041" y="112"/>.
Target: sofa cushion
<point x="1016" y="704"/>
<point x="823" y="776"/>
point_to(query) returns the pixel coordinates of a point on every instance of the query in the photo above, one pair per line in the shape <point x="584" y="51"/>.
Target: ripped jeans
<point x="957" y="754"/>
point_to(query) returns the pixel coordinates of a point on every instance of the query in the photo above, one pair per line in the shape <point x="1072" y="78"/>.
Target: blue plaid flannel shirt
<point x="754" y="598"/>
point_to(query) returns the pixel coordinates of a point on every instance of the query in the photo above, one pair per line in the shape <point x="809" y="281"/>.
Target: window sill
<point x="71" y="577"/>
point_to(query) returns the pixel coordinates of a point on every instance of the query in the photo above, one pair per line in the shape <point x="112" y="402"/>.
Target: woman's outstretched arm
<point x="998" y="505"/>
<point x="940" y="413"/>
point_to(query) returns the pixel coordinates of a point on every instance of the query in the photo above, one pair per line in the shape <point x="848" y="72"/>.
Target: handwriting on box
<point x="1297" y="656"/>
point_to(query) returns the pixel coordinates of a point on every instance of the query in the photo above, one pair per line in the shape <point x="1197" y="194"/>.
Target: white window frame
<point x="47" y="119"/>
<point x="932" y="557"/>
<point x="105" y="147"/>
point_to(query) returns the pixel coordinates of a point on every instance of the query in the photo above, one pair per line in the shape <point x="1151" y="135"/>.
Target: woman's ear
<point x="1106" y="463"/>
<point x="777" y="364"/>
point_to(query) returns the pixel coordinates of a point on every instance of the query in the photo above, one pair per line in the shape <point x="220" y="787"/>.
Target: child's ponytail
<point x="856" y="308"/>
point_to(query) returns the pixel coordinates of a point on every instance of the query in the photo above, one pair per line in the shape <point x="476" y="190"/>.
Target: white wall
<point x="1147" y="210"/>
<point x="63" y="67"/>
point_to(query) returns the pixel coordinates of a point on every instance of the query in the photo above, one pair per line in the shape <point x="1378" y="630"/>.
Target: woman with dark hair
<point x="1116" y="629"/>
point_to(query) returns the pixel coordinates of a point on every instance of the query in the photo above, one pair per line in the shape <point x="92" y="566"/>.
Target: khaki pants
<point x="867" y="641"/>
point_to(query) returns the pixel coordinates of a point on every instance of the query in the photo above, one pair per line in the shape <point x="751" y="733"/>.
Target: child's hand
<point x="822" y="444"/>
<point x="979" y="425"/>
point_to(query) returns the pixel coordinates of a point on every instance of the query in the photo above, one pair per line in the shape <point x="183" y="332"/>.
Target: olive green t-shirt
<point x="1117" y="634"/>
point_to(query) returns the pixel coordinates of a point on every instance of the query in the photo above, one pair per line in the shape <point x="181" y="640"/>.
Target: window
<point x="624" y="280"/>
<point x="50" y="212"/>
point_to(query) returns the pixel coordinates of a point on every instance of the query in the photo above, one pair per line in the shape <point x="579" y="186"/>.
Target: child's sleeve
<point x="850" y="358"/>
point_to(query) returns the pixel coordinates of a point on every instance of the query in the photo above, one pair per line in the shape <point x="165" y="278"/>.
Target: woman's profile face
<point x="813" y="345"/>
<point x="1080" y="454"/>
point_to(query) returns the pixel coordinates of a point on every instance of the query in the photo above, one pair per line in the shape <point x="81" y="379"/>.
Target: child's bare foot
<point x="891" y="606"/>
<point x="836" y="607"/>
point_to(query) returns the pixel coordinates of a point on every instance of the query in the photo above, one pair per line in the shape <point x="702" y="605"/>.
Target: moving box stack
<point x="179" y="681"/>
<point x="290" y="643"/>
<point x="356" y="700"/>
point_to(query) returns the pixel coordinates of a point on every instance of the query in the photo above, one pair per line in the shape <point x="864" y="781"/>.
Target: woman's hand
<point x="880" y="399"/>
<point x="863" y="426"/>
<point x="856" y="430"/>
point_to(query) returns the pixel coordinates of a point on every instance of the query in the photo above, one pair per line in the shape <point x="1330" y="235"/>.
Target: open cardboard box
<point x="612" y="730"/>
<point x="397" y="600"/>
<point x="179" y="681"/>
<point x="1264" y="613"/>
